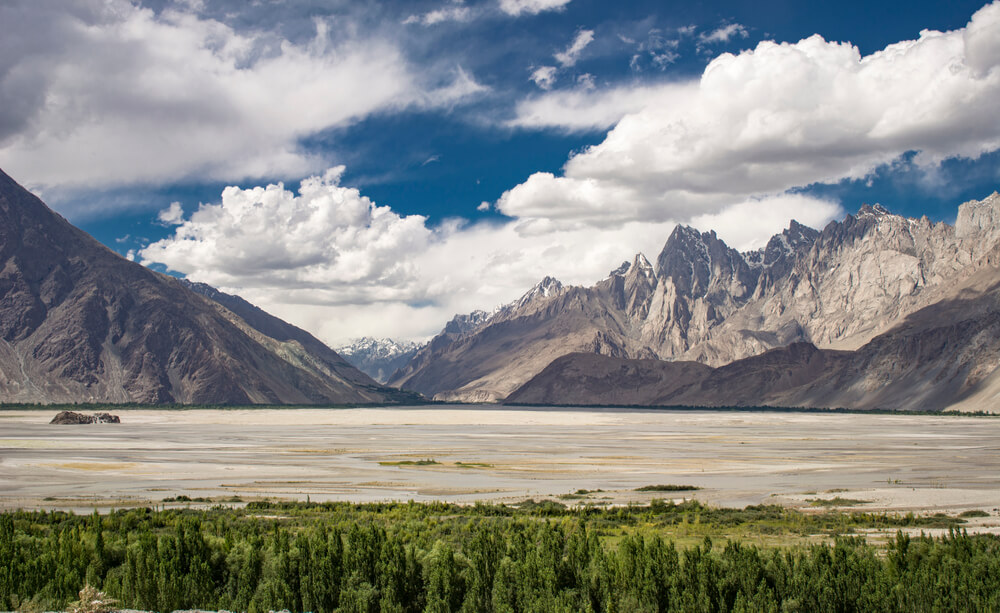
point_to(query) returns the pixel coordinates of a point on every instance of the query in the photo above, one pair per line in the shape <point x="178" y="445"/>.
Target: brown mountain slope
<point x="486" y="363"/>
<point x="79" y="323"/>
<point x="944" y="355"/>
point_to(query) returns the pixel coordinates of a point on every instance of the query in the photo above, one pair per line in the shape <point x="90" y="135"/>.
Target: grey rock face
<point x="941" y="357"/>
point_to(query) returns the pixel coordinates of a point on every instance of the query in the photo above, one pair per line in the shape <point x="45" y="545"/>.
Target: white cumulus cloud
<point x="327" y="238"/>
<point x="724" y="152"/>
<point x="172" y="215"/>
<point x="112" y="93"/>
<point x="585" y="108"/>
<point x="768" y="120"/>
<point x="748" y="225"/>
<point x="330" y="260"/>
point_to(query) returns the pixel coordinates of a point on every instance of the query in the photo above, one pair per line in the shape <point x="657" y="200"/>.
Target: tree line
<point x="440" y="558"/>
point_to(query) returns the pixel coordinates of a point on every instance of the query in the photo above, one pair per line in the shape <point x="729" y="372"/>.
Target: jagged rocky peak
<point x="872" y="210"/>
<point x="685" y="247"/>
<point x="379" y="358"/>
<point x="639" y="283"/>
<point x="376" y="347"/>
<point x="545" y="288"/>
<point x="622" y="270"/>
<point x="697" y="262"/>
<point x="462" y="324"/>
<point x="641" y="266"/>
<point x="797" y="234"/>
<point x="638" y="266"/>
<point x="795" y="238"/>
<point x="873" y="228"/>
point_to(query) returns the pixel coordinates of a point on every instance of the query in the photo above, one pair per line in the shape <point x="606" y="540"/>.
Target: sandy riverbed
<point x="894" y="462"/>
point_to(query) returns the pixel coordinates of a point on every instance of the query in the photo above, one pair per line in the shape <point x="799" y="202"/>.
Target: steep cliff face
<point x="78" y="323"/>
<point x="858" y="278"/>
<point x="837" y="289"/>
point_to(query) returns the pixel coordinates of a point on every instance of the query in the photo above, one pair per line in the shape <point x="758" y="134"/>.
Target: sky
<point x="373" y="168"/>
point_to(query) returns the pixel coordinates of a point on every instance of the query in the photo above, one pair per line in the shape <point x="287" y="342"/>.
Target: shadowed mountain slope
<point x="79" y="323"/>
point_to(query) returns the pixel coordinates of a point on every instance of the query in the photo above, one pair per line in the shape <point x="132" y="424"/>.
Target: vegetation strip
<point x="535" y="556"/>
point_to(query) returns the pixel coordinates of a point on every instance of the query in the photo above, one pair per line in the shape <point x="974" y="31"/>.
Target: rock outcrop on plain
<point x="79" y="323"/>
<point x="72" y="418"/>
<point x="838" y="289"/>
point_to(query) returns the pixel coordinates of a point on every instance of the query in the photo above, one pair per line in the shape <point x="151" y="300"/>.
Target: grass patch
<point x="667" y="488"/>
<point x="473" y="465"/>
<point x="974" y="513"/>
<point x="425" y="462"/>
<point x="183" y="498"/>
<point x="836" y="501"/>
<point x="579" y="494"/>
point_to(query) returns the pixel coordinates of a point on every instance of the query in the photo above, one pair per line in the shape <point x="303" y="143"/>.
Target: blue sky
<point x="450" y="154"/>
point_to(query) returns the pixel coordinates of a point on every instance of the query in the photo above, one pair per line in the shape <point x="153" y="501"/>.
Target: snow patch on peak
<point x="639" y="263"/>
<point x="641" y="266"/>
<point x="781" y="245"/>
<point x="684" y="232"/>
<point x="463" y="324"/>
<point x="382" y="348"/>
<point x="548" y="286"/>
<point x="869" y="210"/>
<point x="379" y="358"/>
<point x="622" y="270"/>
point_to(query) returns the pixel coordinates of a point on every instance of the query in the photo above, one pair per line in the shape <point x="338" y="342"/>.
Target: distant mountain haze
<point x="379" y="358"/>
<point x="79" y="323"/>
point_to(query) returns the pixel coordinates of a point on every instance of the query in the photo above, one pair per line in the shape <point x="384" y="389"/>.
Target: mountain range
<point x="79" y="323"/>
<point x="875" y="311"/>
<point x="378" y="358"/>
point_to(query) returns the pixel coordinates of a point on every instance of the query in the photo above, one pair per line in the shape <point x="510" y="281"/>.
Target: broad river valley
<point x="464" y="454"/>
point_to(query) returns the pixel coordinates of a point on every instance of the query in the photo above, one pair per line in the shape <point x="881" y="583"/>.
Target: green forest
<point x="544" y="556"/>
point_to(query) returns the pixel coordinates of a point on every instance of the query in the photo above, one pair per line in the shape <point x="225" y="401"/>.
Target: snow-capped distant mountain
<point x="378" y="357"/>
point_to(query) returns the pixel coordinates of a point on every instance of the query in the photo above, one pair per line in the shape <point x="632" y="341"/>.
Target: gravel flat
<point x="894" y="462"/>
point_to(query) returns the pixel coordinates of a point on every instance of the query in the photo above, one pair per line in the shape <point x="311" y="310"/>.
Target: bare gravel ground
<point x="896" y="463"/>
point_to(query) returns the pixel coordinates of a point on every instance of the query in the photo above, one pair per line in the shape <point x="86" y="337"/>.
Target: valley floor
<point x="811" y="461"/>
